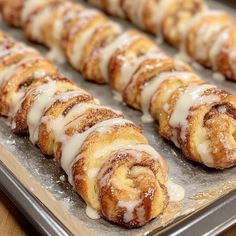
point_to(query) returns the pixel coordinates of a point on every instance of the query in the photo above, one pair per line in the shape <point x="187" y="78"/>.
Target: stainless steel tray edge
<point x="211" y="220"/>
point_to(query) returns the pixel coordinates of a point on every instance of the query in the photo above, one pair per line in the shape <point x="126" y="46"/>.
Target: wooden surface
<point x="13" y="223"/>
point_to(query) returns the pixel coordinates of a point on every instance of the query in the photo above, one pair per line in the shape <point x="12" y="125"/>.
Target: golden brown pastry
<point x="84" y="137"/>
<point x="11" y="11"/>
<point x="19" y="66"/>
<point x="205" y="35"/>
<point x="145" y="78"/>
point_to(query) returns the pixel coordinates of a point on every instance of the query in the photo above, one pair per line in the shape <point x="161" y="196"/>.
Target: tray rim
<point x="31" y="207"/>
<point x="47" y="224"/>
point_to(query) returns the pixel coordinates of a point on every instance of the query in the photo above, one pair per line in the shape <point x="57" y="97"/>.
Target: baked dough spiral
<point x="84" y="137"/>
<point x="145" y="78"/>
<point x="207" y="36"/>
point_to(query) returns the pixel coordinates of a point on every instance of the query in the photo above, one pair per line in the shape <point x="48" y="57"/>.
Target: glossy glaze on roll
<point x="207" y="36"/>
<point x="145" y="78"/>
<point x="85" y="138"/>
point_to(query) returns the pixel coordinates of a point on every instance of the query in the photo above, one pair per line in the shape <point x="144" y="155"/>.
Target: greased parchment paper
<point x="47" y="181"/>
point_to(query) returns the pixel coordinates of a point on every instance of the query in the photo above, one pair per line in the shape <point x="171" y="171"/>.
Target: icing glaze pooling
<point x="205" y="154"/>
<point x="175" y="191"/>
<point x="92" y="213"/>
<point x="192" y="96"/>
<point x="130" y="207"/>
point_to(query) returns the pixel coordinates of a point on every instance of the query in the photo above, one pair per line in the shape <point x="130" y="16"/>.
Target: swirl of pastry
<point x="93" y="54"/>
<point x="89" y="116"/>
<point x="77" y="33"/>
<point x="61" y="110"/>
<point x="201" y="33"/>
<point x="177" y="16"/>
<point x="145" y="73"/>
<point x="53" y="30"/>
<point x="156" y="93"/>
<point x="222" y="54"/>
<point x="142" y="13"/>
<point x="18" y="69"/>
<point x="37" y="19"/>
<point x="53" y="27"/>
<point x="131" y="186"/>
<point x="31" y="6"/>
<point x="113" y="54"/>
<point x="124" y="60"/>
<point x="37" y="96"/>
<point x="191" y="129"/>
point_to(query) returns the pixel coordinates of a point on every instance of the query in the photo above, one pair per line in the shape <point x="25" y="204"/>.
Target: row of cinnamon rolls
<point x="199" y="118"/>
<point x="106" y="157"/>
<point x="207" y="36"/>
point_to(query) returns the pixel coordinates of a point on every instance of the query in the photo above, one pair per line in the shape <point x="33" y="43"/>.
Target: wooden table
<point x="13" y="223"/>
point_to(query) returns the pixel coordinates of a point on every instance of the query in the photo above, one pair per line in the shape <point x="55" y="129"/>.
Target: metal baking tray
<point x="36" y="185"/>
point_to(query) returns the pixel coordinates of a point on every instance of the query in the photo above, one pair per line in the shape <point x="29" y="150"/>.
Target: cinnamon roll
<point x="85" y="138"/>
<point x="146" y="79"/>
<point x="205" y="35"/>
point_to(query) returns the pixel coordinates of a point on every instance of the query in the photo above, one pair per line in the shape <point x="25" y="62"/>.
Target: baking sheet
<point x="202" y="185"/>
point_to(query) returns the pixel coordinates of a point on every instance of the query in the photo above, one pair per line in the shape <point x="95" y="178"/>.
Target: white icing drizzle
<point x="141" y="213"/>
<point x="218" y="76"/>
<point x="37" y="23"/>
<point x="127" y="146"/>
<point x="83" y="39"/>
<point x="205" y="154"/>
<point x="151" y="151"/>
<point x="72" y="145"/>
<point x="163" y="7"/>
<point x="204" y="39"/>
<point x="46" y="92"/>
<point x="192" y="96"/>
<point x="222" y="109"/>
<point x="92" y="213"/>
<point x="39" y="74"/>
<point x="135" y="9"/>
<point x="191" y="23"/>
<point x="16" y="99"/>
<point x="130" y="207"/>
<point x="28" y="8"/>
<point x="183" y="56"/>
<point x="56" y="54"/>
<point x="65" y="96"/>
<point x="57" y="125"/>
<point x="57" y="26"/>
<point x="107" y="52"/>
<point x="10" y="70"/>
<point x="92" y="173"/>
<point x="216" y="48"/>
<point x="130" y="66"/>
<point x="151" y="87"/>
<point x="176" y="192"/>
<point x="17" y="48"/>
<point x="117" y="96"/>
